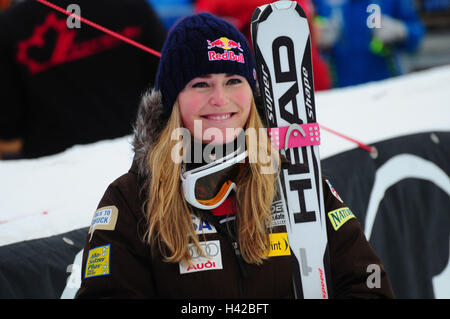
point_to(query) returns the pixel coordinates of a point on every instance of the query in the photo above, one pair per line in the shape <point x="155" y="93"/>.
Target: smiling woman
<point x="213" y="100"/>
<point x="155" y="248"/>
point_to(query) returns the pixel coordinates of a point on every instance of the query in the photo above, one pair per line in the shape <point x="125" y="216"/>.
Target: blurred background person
<point x="63" y="84"/>
<point x="240" y="12"/>
<point x="362" y="39"/>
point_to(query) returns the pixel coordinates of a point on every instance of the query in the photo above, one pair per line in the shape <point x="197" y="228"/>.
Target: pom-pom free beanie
<point x="198" y="45"/>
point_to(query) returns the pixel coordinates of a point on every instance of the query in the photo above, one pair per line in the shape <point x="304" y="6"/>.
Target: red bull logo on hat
<point x="225" y="44"/>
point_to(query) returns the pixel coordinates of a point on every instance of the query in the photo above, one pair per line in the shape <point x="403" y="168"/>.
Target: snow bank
<point x="56" y="194"/>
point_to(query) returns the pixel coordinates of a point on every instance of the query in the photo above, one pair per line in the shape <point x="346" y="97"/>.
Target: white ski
<point x="281" y="43"/>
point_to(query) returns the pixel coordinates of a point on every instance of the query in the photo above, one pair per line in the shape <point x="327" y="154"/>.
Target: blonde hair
<point x="169" y="216"/>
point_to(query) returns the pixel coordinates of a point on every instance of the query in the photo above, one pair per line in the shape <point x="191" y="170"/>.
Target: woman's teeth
<point x="218" y="117"/>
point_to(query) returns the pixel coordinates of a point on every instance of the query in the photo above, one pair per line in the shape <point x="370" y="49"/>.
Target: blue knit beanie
<point x="198" y="45"/>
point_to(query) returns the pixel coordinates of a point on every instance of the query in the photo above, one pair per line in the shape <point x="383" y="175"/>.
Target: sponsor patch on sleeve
<point x="97" y="263"/>
<point x="340" y="216"/>
<point x="104" y="218"/>
<point x="279" y="245"/>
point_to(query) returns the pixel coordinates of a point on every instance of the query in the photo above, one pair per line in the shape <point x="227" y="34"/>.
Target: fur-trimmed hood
<point x="150" y="122"/>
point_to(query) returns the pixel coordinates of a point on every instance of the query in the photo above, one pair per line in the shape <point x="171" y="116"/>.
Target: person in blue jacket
<point x="362" y="39"/>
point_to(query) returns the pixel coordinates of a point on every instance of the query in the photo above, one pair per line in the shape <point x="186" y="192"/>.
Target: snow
<point x="56" y="194"/>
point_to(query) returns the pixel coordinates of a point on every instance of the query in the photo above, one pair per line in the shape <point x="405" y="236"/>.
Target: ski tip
<point x="283" y="5"/>
<point x="261" y="13"/>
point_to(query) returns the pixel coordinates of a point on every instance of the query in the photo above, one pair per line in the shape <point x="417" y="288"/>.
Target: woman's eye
<point x="234" y="81"/>
<point x="200" y="85"/>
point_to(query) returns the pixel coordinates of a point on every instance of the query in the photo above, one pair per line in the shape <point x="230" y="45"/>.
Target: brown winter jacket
<point x="117" y="263"/>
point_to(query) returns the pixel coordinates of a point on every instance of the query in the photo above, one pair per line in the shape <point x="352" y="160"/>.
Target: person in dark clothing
<point x="157" y="235"/>
<point x="63" y="83"/>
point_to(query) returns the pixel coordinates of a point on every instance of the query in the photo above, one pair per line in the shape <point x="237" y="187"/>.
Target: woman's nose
<point x="218" y="96"/>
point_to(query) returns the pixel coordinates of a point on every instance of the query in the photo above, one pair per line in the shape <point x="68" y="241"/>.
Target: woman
<point x="195" y="221"/>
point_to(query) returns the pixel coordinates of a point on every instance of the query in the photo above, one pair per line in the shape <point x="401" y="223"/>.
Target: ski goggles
<point x="208" y="186"/>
